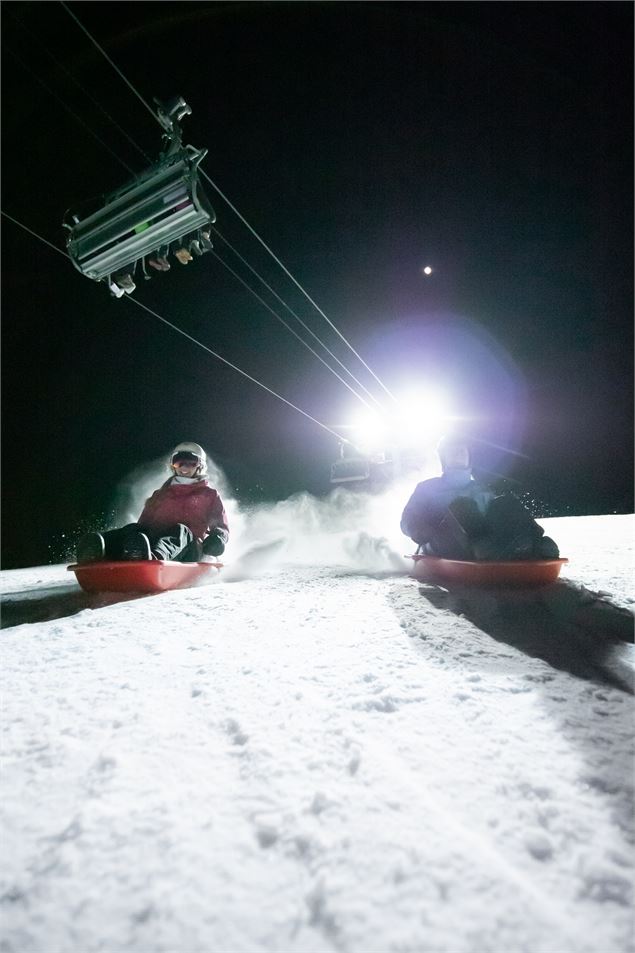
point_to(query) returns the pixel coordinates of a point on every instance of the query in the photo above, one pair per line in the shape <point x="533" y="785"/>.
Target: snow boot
<point x="547" y="549"/>
<point x="136" y="546"/>
<point x="115" y="290"/>
<point x="126" y="282"/>
<point x="91" y="548"/>
<point x="159" y="263"/>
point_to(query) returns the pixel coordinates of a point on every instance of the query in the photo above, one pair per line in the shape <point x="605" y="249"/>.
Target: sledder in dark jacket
<point x="184" y="520"/>
<point x="456" y="517"/>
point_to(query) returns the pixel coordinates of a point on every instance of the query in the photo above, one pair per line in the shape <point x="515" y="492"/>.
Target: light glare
<point x="370" y="433"/>
<point x="423" y="416"/>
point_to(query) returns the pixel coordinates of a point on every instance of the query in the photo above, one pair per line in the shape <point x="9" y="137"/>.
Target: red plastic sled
<point x="141" y="575"/>
<point x="534" y="572"/>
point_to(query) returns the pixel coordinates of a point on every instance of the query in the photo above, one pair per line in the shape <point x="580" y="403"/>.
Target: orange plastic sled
<point x="534" y="572"/>
<point x="141" y="575"/>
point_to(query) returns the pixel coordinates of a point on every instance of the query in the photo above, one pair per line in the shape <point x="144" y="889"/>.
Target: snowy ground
<point x="327" y="757"/>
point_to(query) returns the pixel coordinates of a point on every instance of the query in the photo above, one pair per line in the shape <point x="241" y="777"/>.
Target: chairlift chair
<point x="160" y="206"/>
<point x="375" y="467"/>
<point x="350" y="470"/>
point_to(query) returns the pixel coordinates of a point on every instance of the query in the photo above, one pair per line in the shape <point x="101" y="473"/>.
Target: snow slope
<point x="327" y="757"/>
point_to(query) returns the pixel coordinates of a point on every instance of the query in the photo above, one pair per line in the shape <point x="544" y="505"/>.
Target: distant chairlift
<point x="158" y="207"/>
<point x="356" y="468"/>
<point x="350" y="470"/>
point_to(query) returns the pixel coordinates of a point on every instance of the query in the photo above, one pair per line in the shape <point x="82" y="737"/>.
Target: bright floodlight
<point x="369" y="432"/>
<point x="419" y="420"/>
<point x="427" y="270"/>
<point x="423" y="416"/>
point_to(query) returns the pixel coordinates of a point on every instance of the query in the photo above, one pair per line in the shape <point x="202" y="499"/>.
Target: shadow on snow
<point x="568" y="627"/>
<point x="21" y="608"/>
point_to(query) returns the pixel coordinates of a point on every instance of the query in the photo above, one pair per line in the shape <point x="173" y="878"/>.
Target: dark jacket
<point x="428" y="504"/>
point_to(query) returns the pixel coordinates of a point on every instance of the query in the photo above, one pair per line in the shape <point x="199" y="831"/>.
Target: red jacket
<point x="197" y="505"/>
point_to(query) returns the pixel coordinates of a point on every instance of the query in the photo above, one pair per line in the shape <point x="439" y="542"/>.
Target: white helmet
<point x="451" y="442"/>
<point x="188" y="451"/>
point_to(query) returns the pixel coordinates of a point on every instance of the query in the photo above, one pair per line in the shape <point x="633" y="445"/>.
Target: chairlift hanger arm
<point x="170" y="115"/>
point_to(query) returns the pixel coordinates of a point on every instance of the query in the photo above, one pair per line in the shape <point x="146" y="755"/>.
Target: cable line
<point x="114" y="66"/>
<point x="300" y="321"/>
<point x="287" y="326"/>
<point x="83" y="88"/>
<point x="235" y="210"/>
<point x="35" y="234"/>
<point x="67" y="108"/>
<point x="194" y="340"/>
<point x="297" y="283"/>
<point x="238" y="369"/>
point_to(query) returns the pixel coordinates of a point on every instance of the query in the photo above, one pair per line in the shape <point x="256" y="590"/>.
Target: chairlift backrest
<point x="351" y="469"/>
<point x="161" y="206"/>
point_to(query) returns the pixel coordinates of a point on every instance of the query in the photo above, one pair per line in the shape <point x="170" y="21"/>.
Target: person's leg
<point x="506" y="516"/>
<point x="206" y="242"/>
<point x="90" y="548"/>
<point x="512" y="532"/>
<point x="450" y="540"/>
<point x="108" y="545"/>
<point x="124" y="543"/>
<point x="469" y="516"/>
<point x="176" y="543"/>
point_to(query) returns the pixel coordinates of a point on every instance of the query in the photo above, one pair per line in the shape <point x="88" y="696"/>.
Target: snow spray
<point x="345" y="529"/>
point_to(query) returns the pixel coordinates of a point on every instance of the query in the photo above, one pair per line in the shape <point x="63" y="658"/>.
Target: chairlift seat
<point x="156" y="208"/>
<point x="349" y="470"/>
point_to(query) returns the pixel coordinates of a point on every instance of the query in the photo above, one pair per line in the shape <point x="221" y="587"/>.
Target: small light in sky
<point x="427" y="270"/>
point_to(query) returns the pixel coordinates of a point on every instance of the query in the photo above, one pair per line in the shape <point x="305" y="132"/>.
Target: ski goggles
<point x="184" y="456"/>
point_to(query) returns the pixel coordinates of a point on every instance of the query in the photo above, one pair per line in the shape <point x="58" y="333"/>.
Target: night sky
<point x="362" y="141"/>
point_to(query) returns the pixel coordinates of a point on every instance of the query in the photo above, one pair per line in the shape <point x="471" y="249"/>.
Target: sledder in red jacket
<point x="184" y="520"/>
<point x="196" y="504"/>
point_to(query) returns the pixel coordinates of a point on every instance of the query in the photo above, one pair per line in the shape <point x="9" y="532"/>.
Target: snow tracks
<point x="315" y="760"/>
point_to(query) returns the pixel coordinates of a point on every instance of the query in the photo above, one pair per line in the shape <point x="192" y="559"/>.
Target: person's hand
<point x="214" y="544"/>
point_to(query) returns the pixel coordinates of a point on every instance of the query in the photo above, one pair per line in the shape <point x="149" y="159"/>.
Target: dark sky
<point x="361" y="141"/>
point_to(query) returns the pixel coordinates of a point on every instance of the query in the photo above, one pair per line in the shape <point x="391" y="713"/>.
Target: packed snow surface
<point x="318" y="753"/>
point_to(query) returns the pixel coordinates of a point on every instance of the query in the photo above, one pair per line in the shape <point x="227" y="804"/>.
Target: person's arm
<point x="149" y="506"/>
<point x="218" y="530"/>
<point x="420" y="516"/>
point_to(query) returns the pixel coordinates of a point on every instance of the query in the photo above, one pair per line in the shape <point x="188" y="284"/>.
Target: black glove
<point x="214" y="544"/>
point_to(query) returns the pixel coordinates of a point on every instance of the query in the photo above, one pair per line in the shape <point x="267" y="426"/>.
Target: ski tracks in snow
<point x="317" y="760"/>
